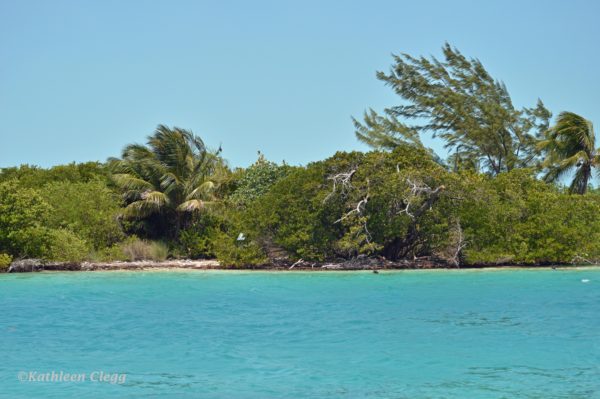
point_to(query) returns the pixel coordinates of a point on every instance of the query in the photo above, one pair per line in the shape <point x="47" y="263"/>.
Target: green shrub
<point x="65" y="246"/>
<point x="196" y="240"/>
<point x="515" y="218"/>
<point x="5" y="260"/>
<point x="88" y="209"/>
<point x="23" y="219"/>
<point x="197" y="244"/>
<point x="256" y="180"/>
<point x="231" y="252"/>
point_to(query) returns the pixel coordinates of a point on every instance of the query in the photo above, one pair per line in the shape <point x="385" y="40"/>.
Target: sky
<point x="80" y="79"/>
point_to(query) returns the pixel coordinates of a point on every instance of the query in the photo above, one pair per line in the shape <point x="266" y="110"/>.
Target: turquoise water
<point x="414" y="334"/>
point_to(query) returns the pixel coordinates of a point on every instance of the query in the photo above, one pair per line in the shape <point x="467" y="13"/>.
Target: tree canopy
<point x="457" y="100"/>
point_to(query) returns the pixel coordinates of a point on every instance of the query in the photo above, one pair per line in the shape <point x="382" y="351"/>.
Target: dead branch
<point x="296" y="263"/>
<point x="400" y="247"/>
<point x="343" y="180"/>
<point x="579" y="259"/>
<point x="460" y="245"/>
<point x="416" y="189"/>
<point x="358" y="210"/>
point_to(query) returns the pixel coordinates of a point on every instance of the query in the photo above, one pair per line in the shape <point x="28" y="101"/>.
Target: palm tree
<point x="570" y="146"/>
<point x="171" y="177"/>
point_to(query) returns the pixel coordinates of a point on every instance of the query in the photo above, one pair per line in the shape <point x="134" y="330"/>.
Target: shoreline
<point x="33" y="265"/>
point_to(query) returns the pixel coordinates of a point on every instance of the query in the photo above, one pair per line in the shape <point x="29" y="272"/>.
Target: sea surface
<point x="208" y="334"/>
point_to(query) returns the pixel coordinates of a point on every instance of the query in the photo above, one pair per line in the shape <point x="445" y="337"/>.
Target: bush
<point x="515" y="218"/>
<point x="197" y="244"/>
<point x="196" y="240"/>
<point x="214" y="235"/>
<point x="65" y="246"/>
<point x="23" y="220"/>
<point x="256" y="180"/>
<point x="88" y="209"/>
<point x="231" y="252"/>
<point x="5" y="260"/>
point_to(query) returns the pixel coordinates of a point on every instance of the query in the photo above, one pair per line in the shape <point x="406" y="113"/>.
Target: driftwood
<point x="296" y="263"/>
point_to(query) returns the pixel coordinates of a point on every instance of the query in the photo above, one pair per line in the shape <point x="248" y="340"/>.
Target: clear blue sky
<point x="80" y="79"/>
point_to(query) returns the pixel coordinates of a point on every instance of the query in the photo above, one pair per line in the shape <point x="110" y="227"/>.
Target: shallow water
<point x="414" y="334"/>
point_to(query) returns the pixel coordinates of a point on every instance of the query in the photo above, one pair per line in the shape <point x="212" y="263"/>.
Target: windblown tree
<point x="168" y="179"/>
<point x="570" y="146"/>
<point x="458" y="101"/>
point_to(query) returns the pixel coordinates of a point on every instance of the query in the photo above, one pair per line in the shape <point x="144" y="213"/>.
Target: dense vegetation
<point x="497" y="199"/>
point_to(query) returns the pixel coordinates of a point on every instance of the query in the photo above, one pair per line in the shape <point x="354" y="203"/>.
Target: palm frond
<point x="173" y="172"/>
<point x="193" y="205"/>
<point x="129" y="182"/>
<point x="570" y="145"/>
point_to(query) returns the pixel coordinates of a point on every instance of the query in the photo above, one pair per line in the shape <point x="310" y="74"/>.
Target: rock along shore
<point x="361" y="263"/>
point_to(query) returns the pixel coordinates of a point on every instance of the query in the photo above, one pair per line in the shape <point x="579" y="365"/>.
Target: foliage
<point x="518" y="219"/>
<point x="58" y="213"/>
<point x="356" y="239"/>
<point x="88" y="209"/>
<point x="413" y="207"/>
<point x="197" y="240"/>
<point x="569" y="146"/>
<point x="256" y="180"/>
<point x="347" y="205"/>
<point x="461" y="103"/>
<point x="232" y="252"/>
<point x="172" y="177"/>
<point x="36" y="177"/>
<point x="23" y="216"/>
<point x="5" y="261"/>
<point x="397" y="204"/>
<point x="65" y="246"/>
<point x="290" y="215"/>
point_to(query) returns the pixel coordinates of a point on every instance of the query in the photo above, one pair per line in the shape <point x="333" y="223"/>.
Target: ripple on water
<point x="502" y="334"/>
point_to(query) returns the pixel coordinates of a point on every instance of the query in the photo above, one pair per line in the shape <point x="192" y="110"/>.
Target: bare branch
<point x="580" y="259"/>
<point x="460" y="245"/>
<point x="344" y="180"/>
<point x="358" y="210"/>
<point x="296" y="263"/>
<point x="416" y="189"/>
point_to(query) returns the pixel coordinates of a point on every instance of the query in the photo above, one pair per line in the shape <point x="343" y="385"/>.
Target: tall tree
<point x="458" y="101"/>
<point x="171" y="177"/>
<point x="570" y="146"/>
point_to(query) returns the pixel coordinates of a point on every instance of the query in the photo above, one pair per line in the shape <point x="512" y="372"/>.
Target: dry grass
<point x="144" y="250"/>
